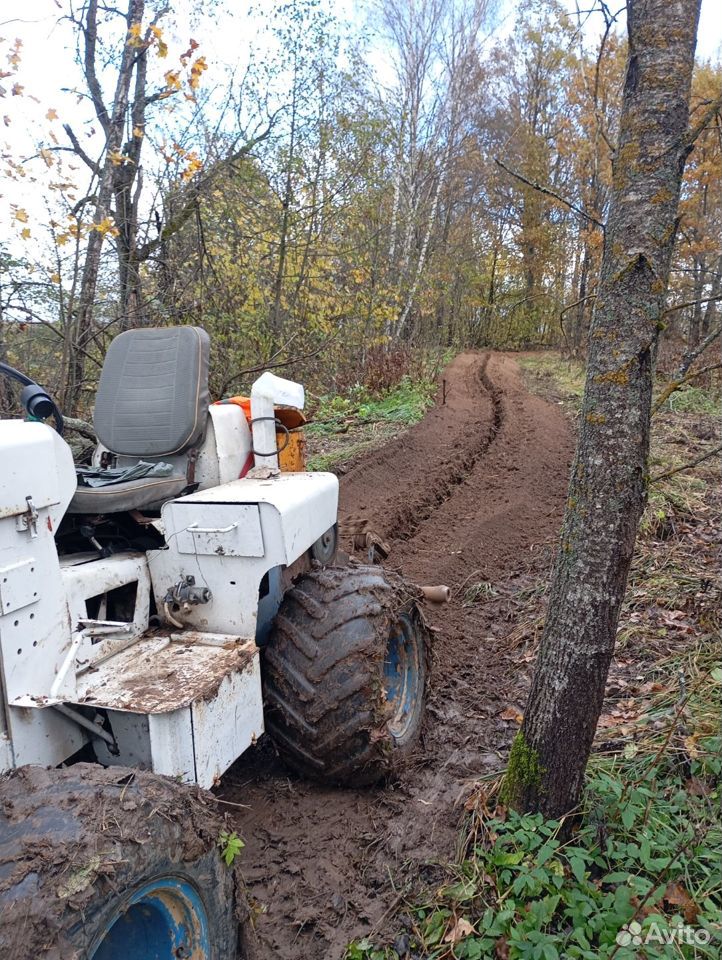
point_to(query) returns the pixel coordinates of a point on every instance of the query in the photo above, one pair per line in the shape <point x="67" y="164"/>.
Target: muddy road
<point x="472" y="497"/>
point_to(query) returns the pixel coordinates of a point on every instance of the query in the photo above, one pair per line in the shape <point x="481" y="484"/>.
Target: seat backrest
<point x="153" y="396"/>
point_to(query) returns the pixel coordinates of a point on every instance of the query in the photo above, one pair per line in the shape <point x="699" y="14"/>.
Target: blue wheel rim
<point x="402" y="678"/>
<point x="164" y="919"/>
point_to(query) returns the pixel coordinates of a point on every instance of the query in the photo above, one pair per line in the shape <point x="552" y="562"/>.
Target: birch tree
<point x="114" y="49"/>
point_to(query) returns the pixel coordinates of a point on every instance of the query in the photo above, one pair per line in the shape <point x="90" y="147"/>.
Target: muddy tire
<point x="112" y="865"/>
<point x="344" y="675"/>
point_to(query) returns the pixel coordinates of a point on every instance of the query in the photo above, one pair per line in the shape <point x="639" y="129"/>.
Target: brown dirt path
<point x="471" y="494"/>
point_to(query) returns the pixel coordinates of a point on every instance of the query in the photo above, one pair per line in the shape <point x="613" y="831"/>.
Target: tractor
<point x="160" y="609"/>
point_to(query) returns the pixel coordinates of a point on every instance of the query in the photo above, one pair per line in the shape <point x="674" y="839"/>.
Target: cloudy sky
<point x="48" y="72"/>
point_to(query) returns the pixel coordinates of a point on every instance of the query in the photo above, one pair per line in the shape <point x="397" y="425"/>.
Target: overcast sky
<point x="48" y="66"/>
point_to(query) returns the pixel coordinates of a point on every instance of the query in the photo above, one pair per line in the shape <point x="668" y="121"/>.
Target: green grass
<point x="549" y="370"/>
<point x="342" y="427"/>
<point x="645" y="850"/>
<point x="694" y="400"/>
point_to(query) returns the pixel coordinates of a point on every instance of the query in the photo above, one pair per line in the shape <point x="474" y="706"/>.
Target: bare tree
<point x="436" y="48"/>
<point x="115" y="174"/>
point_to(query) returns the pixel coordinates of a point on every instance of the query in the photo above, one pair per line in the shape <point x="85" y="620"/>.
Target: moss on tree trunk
<point x="522" y="781"/>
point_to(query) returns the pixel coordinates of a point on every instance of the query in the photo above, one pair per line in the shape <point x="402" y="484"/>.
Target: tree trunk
<point x="609" y="476"/>
<point x="109" y="184"/>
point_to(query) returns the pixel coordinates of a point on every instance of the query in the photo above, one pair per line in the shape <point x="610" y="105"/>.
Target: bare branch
<point x="674" y="385"/>
<point x="90" y="33"/>
<point x="282" y="363"/>
<point x="691" y="355"/>
<point x="687" y="466"/>
<point x="549" y="193"/>
<point x="79" y="150"/>
<point x="707" y="117"/>
<point x="570" y="306"/>
<point x="691" y="303"/>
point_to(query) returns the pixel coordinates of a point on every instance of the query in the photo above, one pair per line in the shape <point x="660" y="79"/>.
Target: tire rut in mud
<point x="397" y="505"/>
<point x="476" y="489"/>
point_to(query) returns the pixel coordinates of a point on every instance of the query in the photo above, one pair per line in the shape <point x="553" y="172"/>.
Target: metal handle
<point x="195" y="529"/>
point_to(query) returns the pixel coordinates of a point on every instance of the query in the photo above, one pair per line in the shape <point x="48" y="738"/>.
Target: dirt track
<point x="473" y="493"/>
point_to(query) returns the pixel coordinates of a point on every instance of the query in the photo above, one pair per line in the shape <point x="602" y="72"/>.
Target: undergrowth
<point x="548" y="373"/>
<point x="343" y="426"/>
<point x="642" y="862"/>
<point x="639" y="875"/>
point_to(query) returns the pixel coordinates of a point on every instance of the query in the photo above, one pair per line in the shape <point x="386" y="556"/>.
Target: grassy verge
<point x="342" y="427"/>
<point x="557" y="379"/>
<point x="641" y="875"/>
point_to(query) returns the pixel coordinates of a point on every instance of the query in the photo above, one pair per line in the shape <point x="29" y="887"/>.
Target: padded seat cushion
<point x="153" y="397"/>
<point x="146" y="493"/>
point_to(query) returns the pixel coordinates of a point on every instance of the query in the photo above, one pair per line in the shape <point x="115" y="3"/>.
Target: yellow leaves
<point x="172" y="80"/>
<point x="52" y="114"/>
<point x="134" y="35"/>
<point x="106" y="226"/>
<point x="138" y="133"/>
<point x="153" y="36"/>
<point x="193" y="163"/>
<point x="47" y="156"/>
<point x="198" y="67"/>
<point x="14" y="55"/>
<point x="21" y="215"/>
<point x="117" y="158"/>
<point x="55" y="278"/>
<point x="61" y="239"/>
<point x="25" y="233"/>
<point x="193" y="166"/>
<point x="161" y="45"/>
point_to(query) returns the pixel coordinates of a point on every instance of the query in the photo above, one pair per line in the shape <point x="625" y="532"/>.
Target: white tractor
<point x="159" y="611"/>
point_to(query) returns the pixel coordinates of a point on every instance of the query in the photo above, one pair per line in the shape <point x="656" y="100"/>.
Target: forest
<point x="331" y="199"/>
<point x="486" y="237"/>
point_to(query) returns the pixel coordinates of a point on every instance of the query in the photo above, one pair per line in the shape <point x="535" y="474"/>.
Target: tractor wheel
<point x="112" y="864"/>
<point x="344" y="675"/>
<point x="323" y="551"/>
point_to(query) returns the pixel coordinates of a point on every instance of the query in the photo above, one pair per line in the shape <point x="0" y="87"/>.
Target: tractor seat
<point x="144" y="494"/>
<point x="151" y="411"/>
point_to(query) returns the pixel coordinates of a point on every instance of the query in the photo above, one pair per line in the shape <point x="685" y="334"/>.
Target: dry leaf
<point x="511" y="713"/>
<point x="697" y="788"/>
<point x="501" y="949"/>
<point x="676" y="896"/>
<point x="462" y="928"/>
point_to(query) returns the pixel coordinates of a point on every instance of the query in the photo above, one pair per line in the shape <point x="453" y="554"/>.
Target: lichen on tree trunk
<point x="609" y="475"/>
